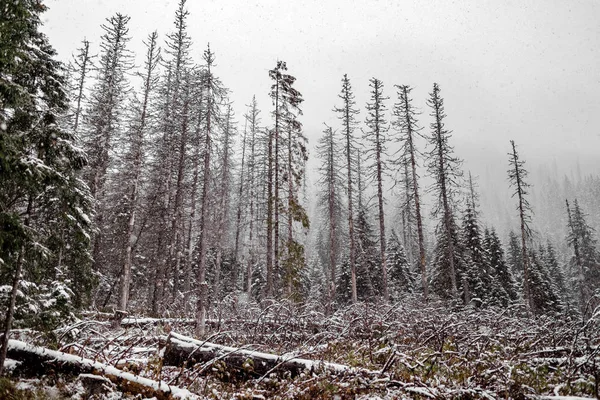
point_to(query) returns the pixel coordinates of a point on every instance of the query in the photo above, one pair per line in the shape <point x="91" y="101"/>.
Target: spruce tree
<point x="507" y="290"/>
<point x="44" y="207"/>
<point x="400" y="277"/>
<point x="368" y="278"/>
<point x="286" y="103"/>
<point x="586" y="259"/>
<point x="444" y="168"/>
<point x="475" y="279"/>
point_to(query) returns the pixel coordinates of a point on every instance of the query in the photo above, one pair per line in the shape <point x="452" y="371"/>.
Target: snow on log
<point x="133" y="321"/>
<point x="36" y="361"/>
<point x="182" y="350"/>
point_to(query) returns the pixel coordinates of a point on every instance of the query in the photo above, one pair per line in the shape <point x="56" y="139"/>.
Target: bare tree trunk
<point x="381" y="223"/>
<point x="407" y="222"/>
<point x="223" y="204"/>
<point x="332" y="220"/>
<point x="415" y="188"/>
<point x="347" y="117"/>
<point x="82" y="63"/>
<point x="518" y="179"/>
<point x="276" y="255"/>
<point x="151" y="63"/>
<point x="177" y="221"/>
<point x="290" y="220"/>
<point x="238" y="219"/>
<point x="187" y="264"/>
<point x="163" y="190"/>
<point x="446" y="203"/>
<point x="204" y="200"/>
<point x="252" y="198"/>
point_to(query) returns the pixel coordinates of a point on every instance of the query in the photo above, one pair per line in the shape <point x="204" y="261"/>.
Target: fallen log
<point x="38" y="361"/>
<point x="184" y="351"/>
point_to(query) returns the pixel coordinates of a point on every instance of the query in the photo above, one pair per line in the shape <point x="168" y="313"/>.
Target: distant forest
<point x="135" y="188"/>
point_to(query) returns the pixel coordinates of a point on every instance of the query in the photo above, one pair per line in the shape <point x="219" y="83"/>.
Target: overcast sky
<point x="522" y="70"/>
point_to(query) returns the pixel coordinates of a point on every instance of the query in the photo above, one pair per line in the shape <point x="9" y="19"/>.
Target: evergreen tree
<point x="44" y="207"/>
<point x="368" y="279"/>
<point x="444" y="167"/>
<point x="543" y="296"/>
<point x="586" y="259"/>
<point x="286" y="102"/>
<point x="507" y="290"/>
<point x="554" y="270"/>
<point x="515" y="257"/>
<point x="401" y="279"/>
<point x="476" y="279"/>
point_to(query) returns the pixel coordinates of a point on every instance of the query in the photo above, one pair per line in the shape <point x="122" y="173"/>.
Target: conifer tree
<point x="225" y="145"/>
<point x="406" y="123"/>
<point x="444" y="167"/>
<point x="286" y="103"/>
<point x="503" y="274"/>
<point x="347" y="114"/>
<point x="515" y="257"/>
<point x="253" y="178"/>
<point x="586" y="259"/>
<point x="476" y="279"/>
<point x="82" y="65"/>
<point x="400" y="277"/>
<point x="330" y="182"/>
<point x="214" y="93"/>
<point x="368" y="278"/>
<point x="135" y="158"/>
<point x="44" y="208"/>
<point x="105" y="118"/>
<point x="543" y="298"/>
<point x="376" y="137"/>
<point x="517" y="175"/>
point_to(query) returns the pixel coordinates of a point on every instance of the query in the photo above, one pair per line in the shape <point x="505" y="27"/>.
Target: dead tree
<point x="376" y="136"/>
<point x="347" y="113"/>
<point x="406" y="123"/>
<point x="516" y="176"/>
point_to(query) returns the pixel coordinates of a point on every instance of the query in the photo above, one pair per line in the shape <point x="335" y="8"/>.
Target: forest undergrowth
<point x="405" y="350"/>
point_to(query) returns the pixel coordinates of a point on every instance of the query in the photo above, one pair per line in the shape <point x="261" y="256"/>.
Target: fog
<point x="525" y="71"/>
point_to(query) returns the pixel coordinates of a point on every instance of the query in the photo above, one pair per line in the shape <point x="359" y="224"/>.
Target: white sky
<point x="526" y="70"/>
